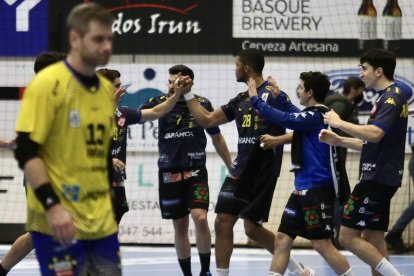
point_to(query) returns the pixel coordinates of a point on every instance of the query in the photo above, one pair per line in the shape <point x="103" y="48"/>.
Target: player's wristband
<point x="188" y="96"/>
<point x="47" y="196"/>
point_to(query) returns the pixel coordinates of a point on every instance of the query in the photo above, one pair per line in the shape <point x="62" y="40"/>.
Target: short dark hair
<point x="352" y="82"/>
<point x="184" y="70"/>
<point x="110" y="74"/>
<point x="380" y="58"/>
<point x="81" y="15"/>
<point x="47" y="58"/>
<point x="318" y="82"/>
<point x="253" y="58"/>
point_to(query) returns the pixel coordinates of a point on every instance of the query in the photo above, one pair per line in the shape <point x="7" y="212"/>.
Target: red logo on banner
<point x="182" y="7"/>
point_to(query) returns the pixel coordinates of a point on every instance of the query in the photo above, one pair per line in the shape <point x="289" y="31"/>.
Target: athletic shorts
<point x="84" y="257"/>
<point x="256" y="211"/>
<point x="119" y="202"/>
<point x="308" y="213"/>
<point x="368" y="206"/>
<point x="181" y="190"/>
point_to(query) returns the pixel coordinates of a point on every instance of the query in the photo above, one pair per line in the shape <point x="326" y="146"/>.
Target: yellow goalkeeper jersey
<point x="73" y="125"/>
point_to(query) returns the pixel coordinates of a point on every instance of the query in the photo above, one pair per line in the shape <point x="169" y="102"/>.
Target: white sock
<point x="349" y="272"/>
<point x="386" y="268"/>
<point x="271" y="273"/>
<point x="293" y="266"/>
<point x="222" y="272"/>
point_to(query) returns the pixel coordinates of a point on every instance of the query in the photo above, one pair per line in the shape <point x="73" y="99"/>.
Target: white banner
<point x="313" y="19"/>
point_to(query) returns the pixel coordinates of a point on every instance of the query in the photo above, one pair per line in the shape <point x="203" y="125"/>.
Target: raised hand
<point x="182" y="84"/>
<point x="119" y="93"/>
<point x="273" y="86"/>
<point x="251" y="83"/>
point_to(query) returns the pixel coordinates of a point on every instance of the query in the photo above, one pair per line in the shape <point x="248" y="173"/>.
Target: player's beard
<point x="95" y="59"/>
<point x="242" y="78"/>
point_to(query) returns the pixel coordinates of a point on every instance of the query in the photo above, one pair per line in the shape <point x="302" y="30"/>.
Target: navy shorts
<point x="227" y="203"/>
<point x="256" y="210"/>
<point x="368" y="207"/>
<point x="96" y="257"/>
<point x="308" y="213"/>
<point x="181" y="190"/>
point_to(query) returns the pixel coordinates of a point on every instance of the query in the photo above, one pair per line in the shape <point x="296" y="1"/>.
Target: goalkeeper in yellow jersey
<point x="64" y="131"/>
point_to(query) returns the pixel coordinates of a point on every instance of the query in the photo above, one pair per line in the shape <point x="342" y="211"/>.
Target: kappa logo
<point x="390" y="101"/>
<point x="194" y="173"/>
<point x="49" y="201"/>
<point x="189" y="174"/>
<point x="362" y="223"/>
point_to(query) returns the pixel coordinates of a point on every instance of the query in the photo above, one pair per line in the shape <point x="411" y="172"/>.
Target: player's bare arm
<point x="368" y="133"/>
<point x="7" y="144"/>
<point x="160" y="110"/>
<point x="204" y="117"/>
<point x="60" y="221"/>
<point x="331" y="138"/>
<point x="269" y="142"/>
<point x="221" y="148"/>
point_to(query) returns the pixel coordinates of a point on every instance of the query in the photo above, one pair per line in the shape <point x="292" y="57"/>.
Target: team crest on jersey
<point x="74" y="118"/>
<point x="62" y="266"/>
<point x="121" y="121"/>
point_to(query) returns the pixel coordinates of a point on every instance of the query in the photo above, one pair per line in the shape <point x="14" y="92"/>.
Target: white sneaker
<point x="307" y="271"/>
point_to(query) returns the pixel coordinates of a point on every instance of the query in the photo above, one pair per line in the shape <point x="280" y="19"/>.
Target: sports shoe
<point x="395" y="242"/>
<point x="307" y="271"/>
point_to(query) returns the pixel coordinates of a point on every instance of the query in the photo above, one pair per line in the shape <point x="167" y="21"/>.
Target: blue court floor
<point x="156" y="261"/>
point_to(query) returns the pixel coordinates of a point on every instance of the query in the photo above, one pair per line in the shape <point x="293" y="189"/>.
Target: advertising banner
<point x="23" y="27"/>
<point x="158" y="26"/>
<point x="332" y="28"/>
<point x="323" y="27"/>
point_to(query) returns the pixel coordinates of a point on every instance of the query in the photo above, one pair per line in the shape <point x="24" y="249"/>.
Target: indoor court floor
<point x="157" y="261"/>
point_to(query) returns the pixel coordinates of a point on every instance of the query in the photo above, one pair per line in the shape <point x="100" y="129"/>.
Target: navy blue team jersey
<point x="124" y="116"/>
<point x="182" y="141"/>
<point x="315" y="171"/>
<point x="250" y="125"/>
<point x="383" y="162"/>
